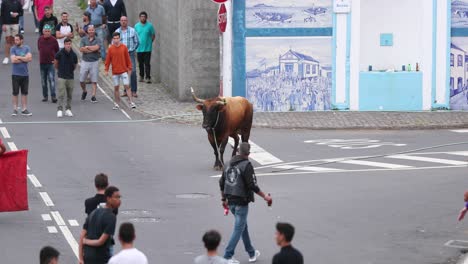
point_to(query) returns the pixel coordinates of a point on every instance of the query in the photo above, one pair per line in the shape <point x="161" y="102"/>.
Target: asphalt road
<point x="343" y="213"/>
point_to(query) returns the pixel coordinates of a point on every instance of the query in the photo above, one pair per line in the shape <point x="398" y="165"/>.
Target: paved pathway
<point x="155" y="101"/>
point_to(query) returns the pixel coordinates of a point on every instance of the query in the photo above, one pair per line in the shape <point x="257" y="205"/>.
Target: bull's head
<point x="210" y="108"/>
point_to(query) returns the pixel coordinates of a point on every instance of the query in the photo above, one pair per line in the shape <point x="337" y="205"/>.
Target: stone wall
<point x="186" y="49"/>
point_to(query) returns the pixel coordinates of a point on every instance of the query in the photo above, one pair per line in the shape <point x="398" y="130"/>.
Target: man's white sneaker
<point x="233" y="261"/>
<point x="132" y="105"/>
<point x="68" y="113"/>
<point x="59" y="113"/>
<point x="254" y="258"/>
<point x="36" y="30"/>
<point x="116" y="107"/>
<point x="5" y="60"/>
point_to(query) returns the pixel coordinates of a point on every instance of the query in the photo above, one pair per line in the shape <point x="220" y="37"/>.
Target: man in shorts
<point x="119" y="58"/>
<point x="90" y="46"/>
<point x="11" y="10"/>
<point x="20" y="56"/>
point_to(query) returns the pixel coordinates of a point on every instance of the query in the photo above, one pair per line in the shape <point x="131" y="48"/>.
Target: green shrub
<point x="83" y="4"/>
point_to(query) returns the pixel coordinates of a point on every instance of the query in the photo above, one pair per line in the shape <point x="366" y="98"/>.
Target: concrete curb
<point x="463" y="259"/>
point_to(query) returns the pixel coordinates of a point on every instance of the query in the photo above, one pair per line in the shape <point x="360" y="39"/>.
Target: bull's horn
<point x="195" y="97"/>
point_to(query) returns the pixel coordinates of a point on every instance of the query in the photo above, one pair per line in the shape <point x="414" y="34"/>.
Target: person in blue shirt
<point x="20" y="55"/>
<point x="146" y="34"/>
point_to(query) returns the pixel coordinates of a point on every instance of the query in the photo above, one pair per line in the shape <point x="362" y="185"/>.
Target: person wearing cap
<point x="238" y="185"/>
<point x="48" y="47"/>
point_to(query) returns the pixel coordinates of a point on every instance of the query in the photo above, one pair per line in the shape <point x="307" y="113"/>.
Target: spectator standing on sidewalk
<point x="65" y="64"/>
<point x="11" y="10"/>
<point x="98" y="229"/>
<point x="48" y="19"/>
<point x="98" y="20"/>
<point x="129" y="37"/>
<point x="129" y="254"/>
<point x="146" y="35"/>
<point x="48" y="47"/>
<point x="39" y="6"/>
<point x="288" y="254"/>
<point x="463" y="211"/>
<point x="89" y="47"/>
<point x="115" y="9"/>
<point x="49" y="255"/>
<point x="211" y="239"/>
<point x="238" y="185"/>
<point x="118" y="57"/>
<point x="64" y="30"/>
<point x="36" y="21"/>
<point x="20" y="57"/>
<point x="83" y="30"/>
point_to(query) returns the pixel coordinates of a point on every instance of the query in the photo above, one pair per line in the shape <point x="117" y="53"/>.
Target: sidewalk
<point x="154" y="101"/>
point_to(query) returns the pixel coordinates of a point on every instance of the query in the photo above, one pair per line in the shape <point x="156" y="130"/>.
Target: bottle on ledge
<point x="409" y="67"/>
<point x="417" y="66"/>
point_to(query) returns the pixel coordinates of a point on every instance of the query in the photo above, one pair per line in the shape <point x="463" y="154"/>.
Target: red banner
<point x="13" y="181"/>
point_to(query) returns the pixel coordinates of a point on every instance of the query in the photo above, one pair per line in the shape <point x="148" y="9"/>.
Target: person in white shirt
<point x="129" y="254"/>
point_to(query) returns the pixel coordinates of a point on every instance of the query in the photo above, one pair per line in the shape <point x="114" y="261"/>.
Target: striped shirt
<point x="129" y="37"/>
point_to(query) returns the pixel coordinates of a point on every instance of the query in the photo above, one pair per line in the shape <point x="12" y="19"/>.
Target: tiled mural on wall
<point x="459" y="73"/>
<point x="289" y="73"/>
<point x="460" y="13"/>
<point x="288" y="14"/>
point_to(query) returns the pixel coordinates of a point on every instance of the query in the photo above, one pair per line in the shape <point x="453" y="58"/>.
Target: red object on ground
<point x="13" y="182"/>
<point x="222" y="18"/>
<point x="219" y="1"/>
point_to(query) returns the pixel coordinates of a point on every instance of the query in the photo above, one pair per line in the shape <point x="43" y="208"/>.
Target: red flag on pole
<point x="13" y="183"/>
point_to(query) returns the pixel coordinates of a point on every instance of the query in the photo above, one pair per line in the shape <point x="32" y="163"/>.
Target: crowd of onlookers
<point x="105" y="35"/>
<point x="238" y="185"/>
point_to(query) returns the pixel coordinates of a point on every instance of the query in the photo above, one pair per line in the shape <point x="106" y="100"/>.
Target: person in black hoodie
<point x="238" y="185"/>
<point x="11" y="10"/>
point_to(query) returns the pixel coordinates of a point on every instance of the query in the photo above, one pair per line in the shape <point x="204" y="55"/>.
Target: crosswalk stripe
<point x="259" y="154"/>
<point x="425" y="159"/>
<point x="460" y="130"/>
<point x="375" y="164"/>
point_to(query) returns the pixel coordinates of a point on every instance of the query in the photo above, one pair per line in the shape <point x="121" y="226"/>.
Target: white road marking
<point x="12" y="146"/>
<point x="360" y="143"/>
<point x="58" y="218"/>
<point x="318" y="169"/>
<point x="459" y="153"/>
<point x="45" y="197"/>
<point x="52" y="229"/>
<point x="286" y="167"/>
<point x="70" y="239"/>
<point x="108" y="97"/>
<point x="374" y="164"/>
<point x="4" y="132"/>
<point x="259" y="154"/>
<point x="460" y="130"/>
<point x="425" y="159"/>
<point x="34" y="181"/>
<point x="46" y="217"/>
<point x="28" y="167"/>
<point x="1" y="122"/>
<point x="73" y="222"/>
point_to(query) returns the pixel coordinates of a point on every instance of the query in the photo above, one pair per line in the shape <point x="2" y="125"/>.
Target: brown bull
<point x="225" y="117"/>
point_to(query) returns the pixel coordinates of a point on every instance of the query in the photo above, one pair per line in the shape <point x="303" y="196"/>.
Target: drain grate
<point x="193" y="195"/>
<point x="457" y="244"/>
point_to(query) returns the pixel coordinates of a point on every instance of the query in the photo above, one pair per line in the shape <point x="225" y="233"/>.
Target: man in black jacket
<point x="115" y="9"/>
<point x="238" y="185"/>
<point x="11" y="10"/>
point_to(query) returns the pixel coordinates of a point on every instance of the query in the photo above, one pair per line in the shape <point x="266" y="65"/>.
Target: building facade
<point x="304" y="55"/>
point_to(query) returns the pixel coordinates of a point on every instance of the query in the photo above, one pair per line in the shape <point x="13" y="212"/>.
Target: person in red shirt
<point x="118" y="56"/>
<point x="48" y="47"/>
<point x="463" y="211"/>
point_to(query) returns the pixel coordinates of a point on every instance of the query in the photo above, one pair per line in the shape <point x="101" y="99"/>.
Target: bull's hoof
<point x="218" y="167"/>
